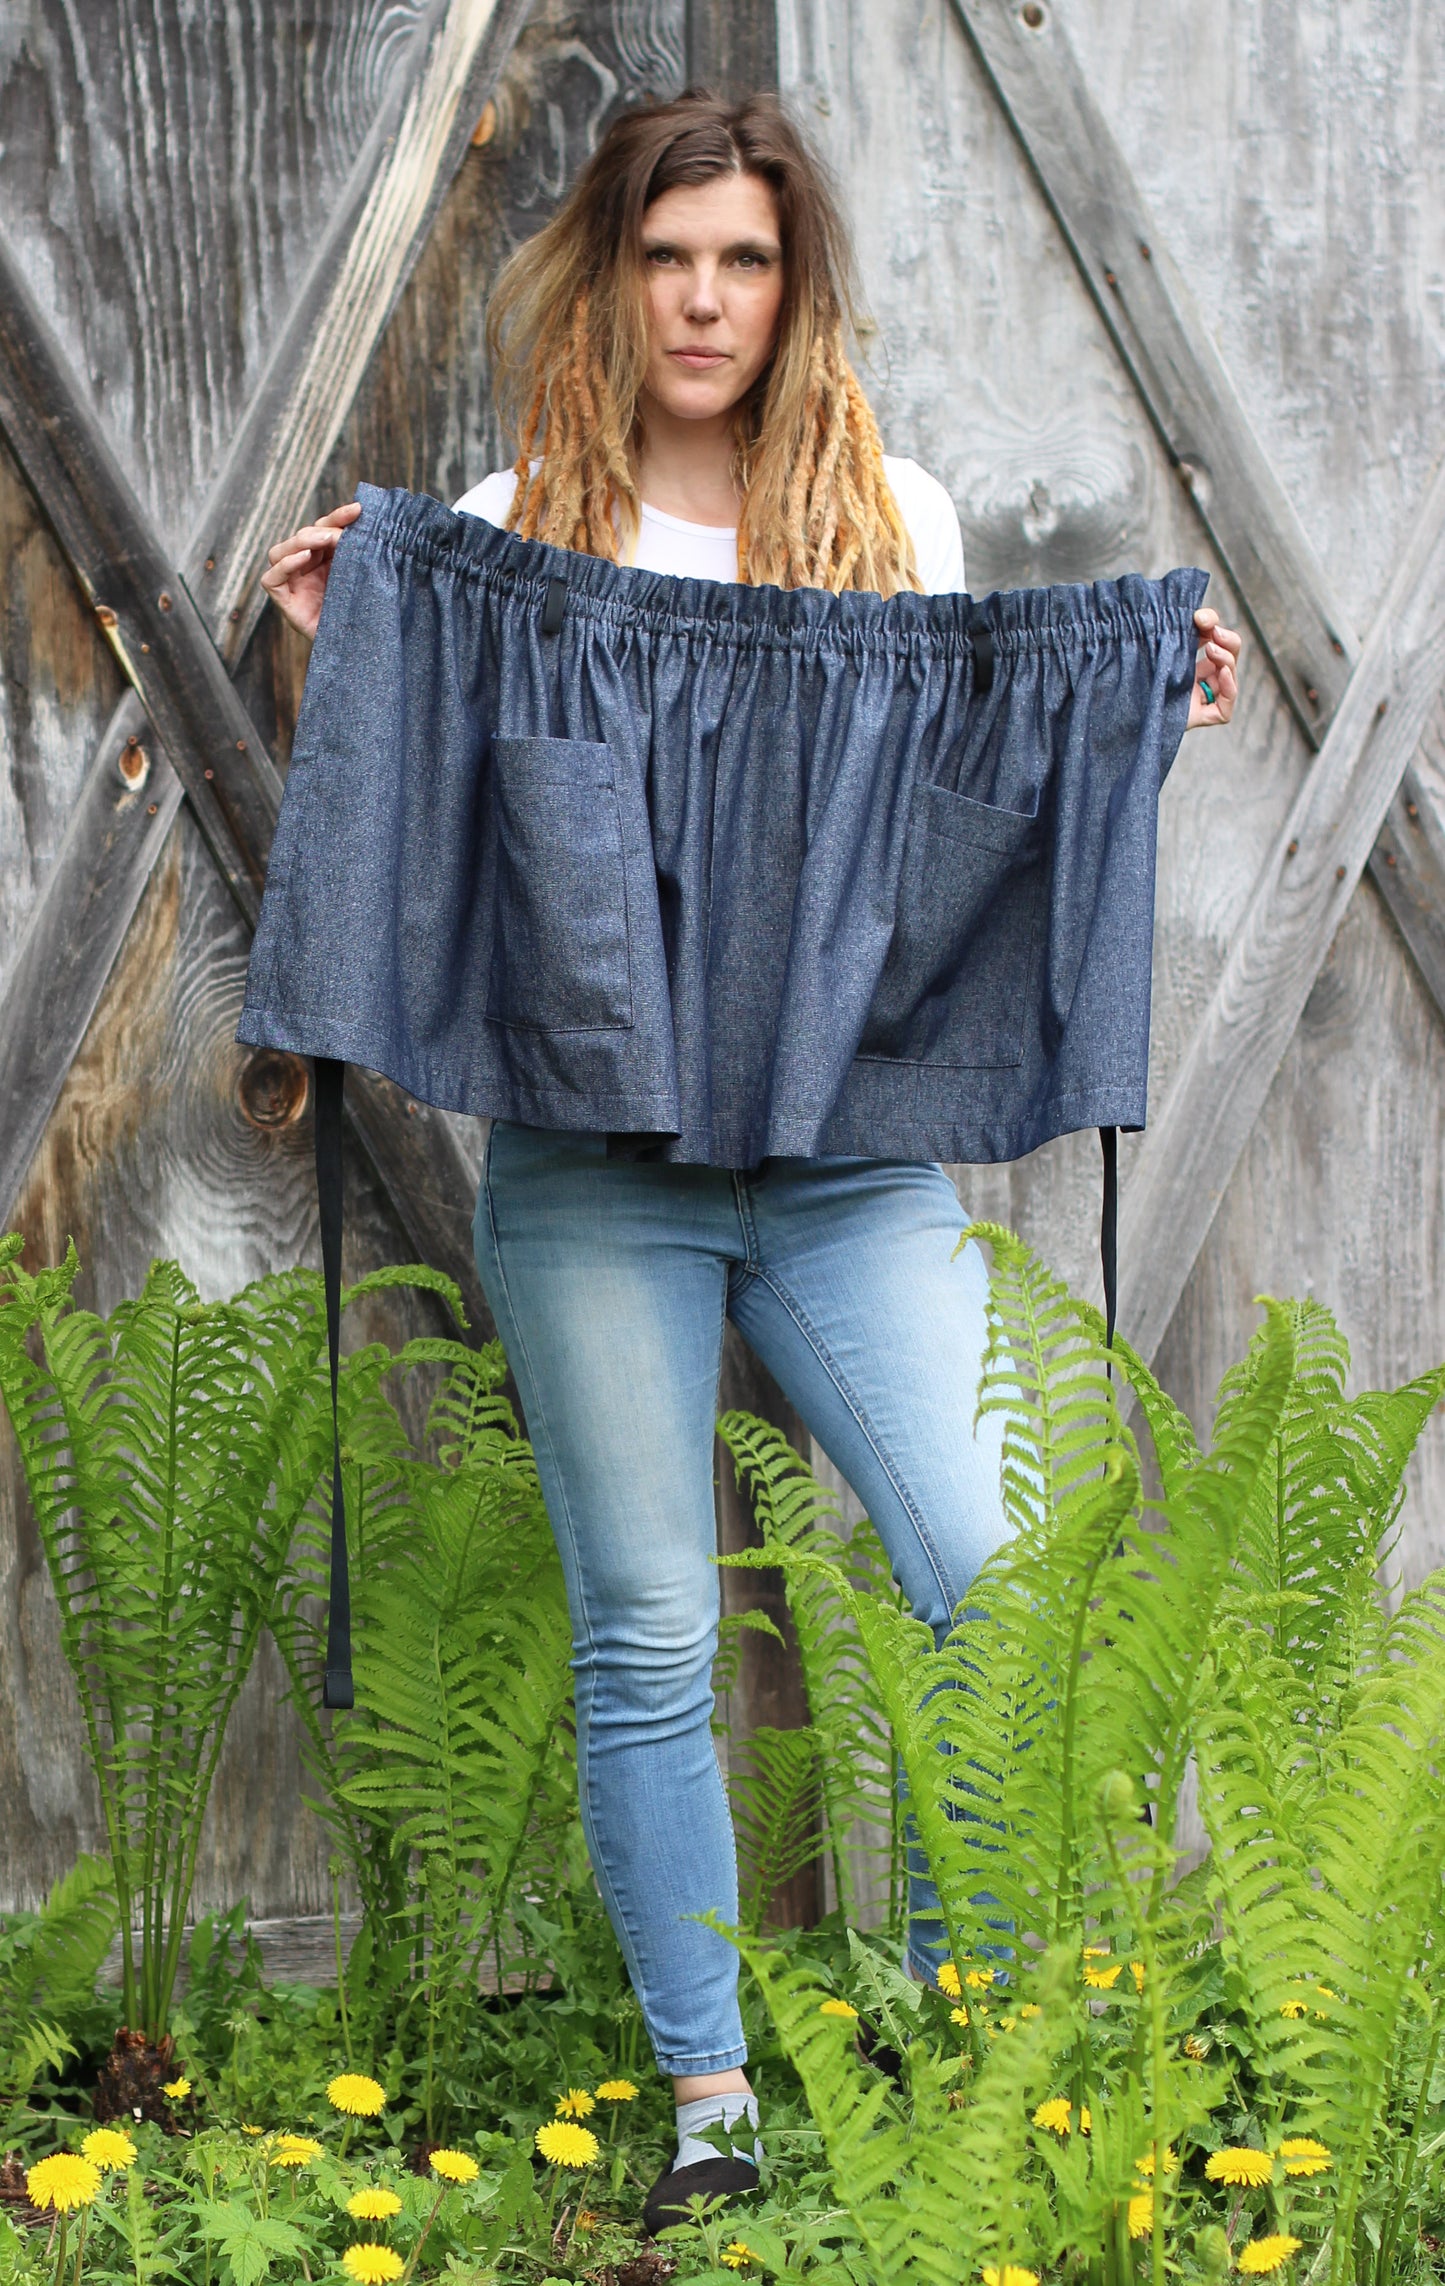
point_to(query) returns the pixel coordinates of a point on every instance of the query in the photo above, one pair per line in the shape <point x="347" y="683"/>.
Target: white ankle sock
<point x="738" y="2114"/>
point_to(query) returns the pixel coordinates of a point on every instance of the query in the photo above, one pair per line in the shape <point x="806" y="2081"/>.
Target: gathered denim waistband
<point x="742" y="871"/>
<point x="421" y="532"/>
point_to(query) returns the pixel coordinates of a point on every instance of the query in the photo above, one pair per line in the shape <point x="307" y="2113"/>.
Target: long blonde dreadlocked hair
<point x="567" y="334"/>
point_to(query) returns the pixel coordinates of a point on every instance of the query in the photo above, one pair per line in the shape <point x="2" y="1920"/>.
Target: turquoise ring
<point x="1208" y="693"/>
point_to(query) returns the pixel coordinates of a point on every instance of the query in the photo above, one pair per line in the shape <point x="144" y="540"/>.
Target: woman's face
<point x="713" y="260"/>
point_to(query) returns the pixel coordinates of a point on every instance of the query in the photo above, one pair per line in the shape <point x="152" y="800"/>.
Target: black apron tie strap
<point x="1109" y="1233"/>
<point x="555" y="605"/>
<point x="339" y="1690"/>
<point x="980" y="637"/>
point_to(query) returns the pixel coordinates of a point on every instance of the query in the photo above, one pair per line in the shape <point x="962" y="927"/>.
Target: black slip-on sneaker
<point x="666" y="2202"/>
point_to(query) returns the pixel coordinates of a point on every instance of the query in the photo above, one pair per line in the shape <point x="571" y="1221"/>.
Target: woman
<point x="670" y="355"/>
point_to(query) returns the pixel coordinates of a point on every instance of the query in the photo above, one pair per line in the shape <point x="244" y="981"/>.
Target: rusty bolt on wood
<point x="1383" y="707"/>
<point x="1389" y="857"/>
<point x="1412" y="809"/>
<point x="1146" y="252"/>
<point x="1293" y="849"/>
<point x="1033" y="15"/>
<point x="1339" y="873"/>
<point x="210" y="563"/>
<point x="1313" y="696"/>
<point x="105" y="615"/>
<point x="164" y="600"/>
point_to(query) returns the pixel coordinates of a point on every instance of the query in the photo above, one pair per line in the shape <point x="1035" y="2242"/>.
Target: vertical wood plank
<point x="732" y="46"/>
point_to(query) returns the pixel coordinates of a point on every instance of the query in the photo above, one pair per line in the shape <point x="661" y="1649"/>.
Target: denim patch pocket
<point x="559" y="960"/>
<point x="955" y="986"/>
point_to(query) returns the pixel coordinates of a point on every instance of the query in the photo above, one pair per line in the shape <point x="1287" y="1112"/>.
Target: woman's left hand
<point x="1216" y="684"/>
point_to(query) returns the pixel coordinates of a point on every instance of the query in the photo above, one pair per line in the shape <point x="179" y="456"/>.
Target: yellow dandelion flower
<point x="295" y="2151"/>
<point x="372" y="2265"/>
<point x="1136" y="1970"/>
<point x="1292" y="2008"/>
<point x="737" y="2254"/>
<point x="1056" y="2115"/>
<point x="1240" y="2165"/>
<point x="1141" y="2214"/>
<point x="373" y="2206"/>
<point x="575" y="2104"/>
<point x="587" y="2219"/>
<point x="1265" y="2254"/>
<point x="1012" y="2274"/>
<point x="1145" y="2166"/>
<point x="837" y="2008"/>
<point x="248" y="2129"/>
<point x="62" y="2181"/>
<point x="949" y="1982"/>
<point x="1196" y="2047"/>
<point x="1303" y="2156"/>
<point x="1030" y="2008"/>
<point x="107" y="2149"/>
<point x="1086" y="2119"/>
<point x="979" y="1980"/>
<point x="354" y="2092"/>
<point x="617" y="2091"/>
<point x="176" y="2089"/>
<point x="1100" y="1978"/>
<point x="959" y="2016"/>
<point x="566" y="2145"/>
<point x="460" y="2167"/>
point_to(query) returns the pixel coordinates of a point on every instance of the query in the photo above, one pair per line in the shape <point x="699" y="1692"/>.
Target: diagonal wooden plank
<point x="112" y="844"/>
<point x="212" y="745"/>
<point x="1156" y="327"/>
<point x="1407" y="864"/>
<point x="1188" y="1155"/>
<point x="142" y="607"/>
<point x="306" y="392"/>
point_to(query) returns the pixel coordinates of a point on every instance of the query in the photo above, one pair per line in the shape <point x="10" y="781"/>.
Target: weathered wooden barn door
<point x="1144" y="290"/>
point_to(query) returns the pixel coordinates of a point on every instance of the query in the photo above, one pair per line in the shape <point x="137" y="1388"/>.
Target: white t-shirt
<point x="710" y="551"/>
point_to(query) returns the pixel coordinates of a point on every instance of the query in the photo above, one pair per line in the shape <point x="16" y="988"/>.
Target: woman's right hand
<point x="298" y="568"/>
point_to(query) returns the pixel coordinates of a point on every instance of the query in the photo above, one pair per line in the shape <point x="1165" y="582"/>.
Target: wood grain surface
<point x="1281" y="171"/>
<point x="168" y="176"/>
<point x="1180" y="1173"/>
<point x="1146" y="306"/>
<point x="166" y="1138"/>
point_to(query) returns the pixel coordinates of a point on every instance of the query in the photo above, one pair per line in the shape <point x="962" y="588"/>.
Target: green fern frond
<point x="1046" y="1371"/>
<point x="774" y="1786"/>
<point x="794" y="1511"/>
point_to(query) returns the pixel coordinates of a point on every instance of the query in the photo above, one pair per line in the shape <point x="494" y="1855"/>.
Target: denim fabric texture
<point x="756" y="873"/>
<point x="609" y="1281"/>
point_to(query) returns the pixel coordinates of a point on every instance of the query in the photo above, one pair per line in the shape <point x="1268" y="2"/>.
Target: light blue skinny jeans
<point x="609" y="1280"/>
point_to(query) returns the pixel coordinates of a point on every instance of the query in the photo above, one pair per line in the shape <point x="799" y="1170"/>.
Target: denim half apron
<point x="746" y="871"/>
<point x="724" y="872"/>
